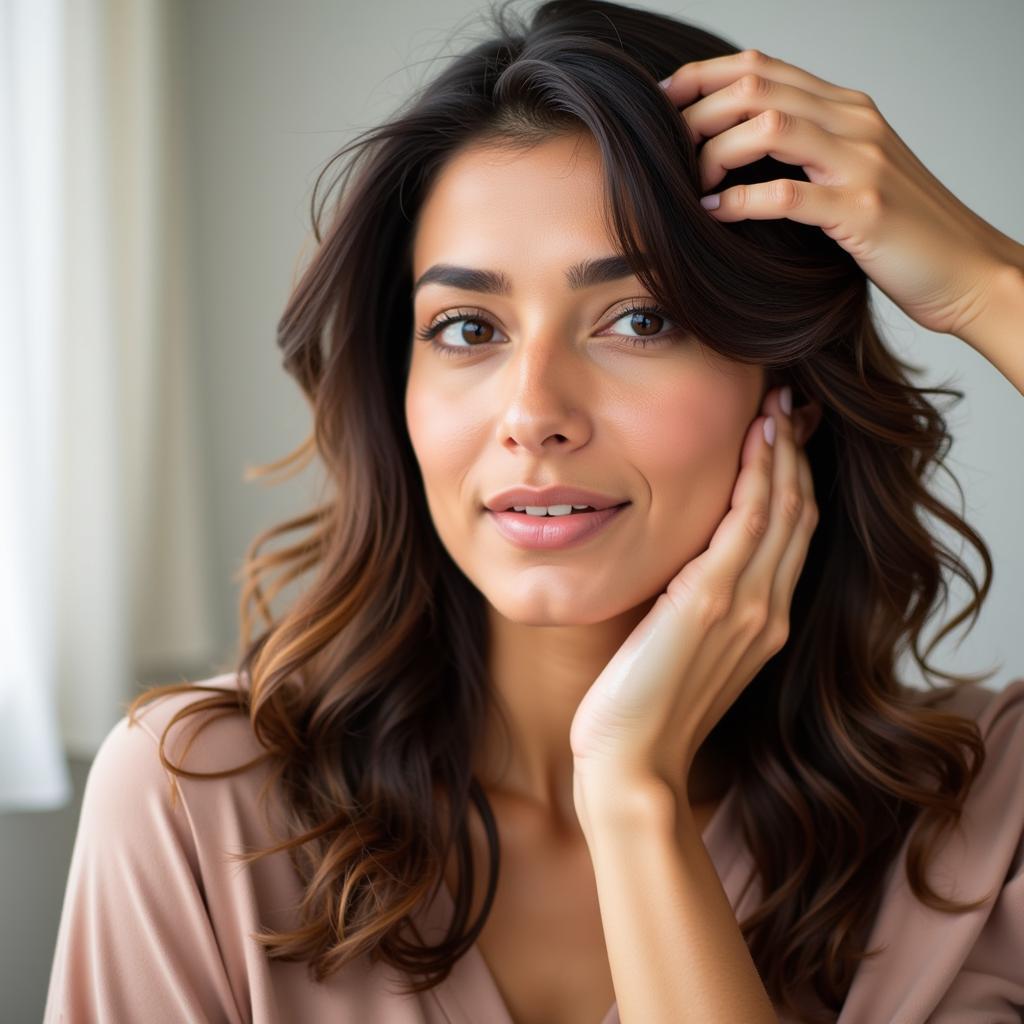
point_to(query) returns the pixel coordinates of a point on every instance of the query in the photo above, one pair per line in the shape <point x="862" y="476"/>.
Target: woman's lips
<point x="546" y="532"/>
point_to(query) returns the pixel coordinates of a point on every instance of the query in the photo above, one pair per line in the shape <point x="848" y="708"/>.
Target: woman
<point x="675" y="710"/>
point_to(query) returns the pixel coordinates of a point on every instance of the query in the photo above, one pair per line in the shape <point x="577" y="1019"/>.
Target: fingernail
<point x="711" y="202"/>
<point x="769" y="430"/>
<point x="664" y="83"/>
<point x="786" y="399"/>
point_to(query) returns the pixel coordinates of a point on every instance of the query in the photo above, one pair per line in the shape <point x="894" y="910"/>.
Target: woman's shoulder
<point x="996" y="801"/>
<point x="152" y="902"/>
<point x="999" y="716"/>
<point x="130" y="769"/>
<point x="213" y="735"/>
<point x="937" y="966"/>
<point x="999" y="713"/>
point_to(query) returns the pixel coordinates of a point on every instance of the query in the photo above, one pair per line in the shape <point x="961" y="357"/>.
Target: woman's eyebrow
<point x="584" y="274"/>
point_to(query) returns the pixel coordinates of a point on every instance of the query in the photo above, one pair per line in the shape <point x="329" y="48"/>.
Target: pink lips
<point x="552" y="531"/>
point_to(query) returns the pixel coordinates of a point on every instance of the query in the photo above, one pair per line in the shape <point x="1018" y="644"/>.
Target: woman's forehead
<point x="486" y="200"/>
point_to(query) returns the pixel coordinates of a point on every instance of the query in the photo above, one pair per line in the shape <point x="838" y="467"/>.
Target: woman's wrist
<point x="997" y="330"/>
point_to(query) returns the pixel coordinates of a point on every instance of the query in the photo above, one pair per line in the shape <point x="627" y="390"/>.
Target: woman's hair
<point x="370" y="689"/>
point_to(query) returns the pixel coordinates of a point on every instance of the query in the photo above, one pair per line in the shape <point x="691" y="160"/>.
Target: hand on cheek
<point x="721" y="617"/>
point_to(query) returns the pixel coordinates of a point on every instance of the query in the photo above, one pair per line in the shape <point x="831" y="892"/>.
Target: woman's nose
<point x="545" y="400"/>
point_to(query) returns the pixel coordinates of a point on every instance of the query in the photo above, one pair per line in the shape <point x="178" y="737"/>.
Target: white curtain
<point x="102" y="585"/>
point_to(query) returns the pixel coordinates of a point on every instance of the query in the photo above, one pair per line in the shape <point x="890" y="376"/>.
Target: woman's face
<point x="542" y="386"/>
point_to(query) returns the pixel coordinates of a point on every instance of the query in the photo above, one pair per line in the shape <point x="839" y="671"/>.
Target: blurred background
<point x="156" y="168"/>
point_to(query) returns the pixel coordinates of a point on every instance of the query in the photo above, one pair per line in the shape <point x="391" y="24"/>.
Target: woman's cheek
<point x="446" y="438"/>
<point x="691" y="444"/>
<point x="430" y="432"/>
<point x="433" y="421"/>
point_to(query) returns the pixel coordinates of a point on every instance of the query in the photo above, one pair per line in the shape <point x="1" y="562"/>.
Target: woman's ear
<point x="806" y="414"/>
<point x="805" y="421"/>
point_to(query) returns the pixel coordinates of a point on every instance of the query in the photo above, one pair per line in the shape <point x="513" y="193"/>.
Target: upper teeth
<point x="548" y="510"/>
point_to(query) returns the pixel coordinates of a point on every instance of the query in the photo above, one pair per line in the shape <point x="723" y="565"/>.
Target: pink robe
<point x="155" y="921"/>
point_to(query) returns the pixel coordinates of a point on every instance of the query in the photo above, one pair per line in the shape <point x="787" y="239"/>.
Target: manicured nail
<point x="711" y="202"/>
<point x="664" y="83"/>
<point x="786" y="399"/>
<point x="769" y="430"/>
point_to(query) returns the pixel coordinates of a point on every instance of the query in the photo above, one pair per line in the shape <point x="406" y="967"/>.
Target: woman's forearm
<point x="675" y="951"/>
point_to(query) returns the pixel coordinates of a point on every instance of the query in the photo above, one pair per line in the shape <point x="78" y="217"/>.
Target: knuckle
<point x="873" y="151"/>
<point x="869" y="202"/>
<point x="784" y="193"/>
<point x="869" y="115"/>
<point x="757" y="521"/>
<point x="778" y="634"/>
<point x="792" y="505"/>
<point x="755" y="616"/>
<point x="755" y="58"/>
<point x="712" y="607"/>
<point x="772" y="122"/>
<point x="862" y="99"/>
<point x="752" y="85"/>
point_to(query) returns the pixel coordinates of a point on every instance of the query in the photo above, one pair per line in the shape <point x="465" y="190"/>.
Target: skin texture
<point x="558" y="395"/>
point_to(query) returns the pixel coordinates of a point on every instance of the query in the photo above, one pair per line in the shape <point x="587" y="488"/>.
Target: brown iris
<point x="648" y="317"/>
<point x="476" y="330"/>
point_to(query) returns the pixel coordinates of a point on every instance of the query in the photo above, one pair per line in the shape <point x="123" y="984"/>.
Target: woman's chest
<point x="543" y="941"/>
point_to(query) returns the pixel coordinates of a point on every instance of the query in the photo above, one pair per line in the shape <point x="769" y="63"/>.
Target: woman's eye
<point x="471" y="331"/>
<point x="647" y="321"/>
<point x="458" y="334"/>
<point x="461" y="333"/>
<point x="650" y="324"/>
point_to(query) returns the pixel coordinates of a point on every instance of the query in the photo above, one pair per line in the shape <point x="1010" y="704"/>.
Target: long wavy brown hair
<point x="368" y="689"/>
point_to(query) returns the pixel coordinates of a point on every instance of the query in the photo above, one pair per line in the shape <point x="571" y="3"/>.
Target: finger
<point x="825" y="206"/>
<point x="701" y="77"/>
<point x="711" y="577"/>
<point x="793" y="140"/>
<point x="787" y="501"/>
<point x="786" y="576"/>
<point x="752" y="94"/>
<point x="792" y="562"/>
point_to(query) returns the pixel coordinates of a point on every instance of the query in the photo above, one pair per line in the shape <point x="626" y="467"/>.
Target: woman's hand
<point x="934" y="257"/>
<point x="719" y="620"/>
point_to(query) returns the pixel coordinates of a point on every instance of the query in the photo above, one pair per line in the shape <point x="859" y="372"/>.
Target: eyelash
<point x="429" y="334"/>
